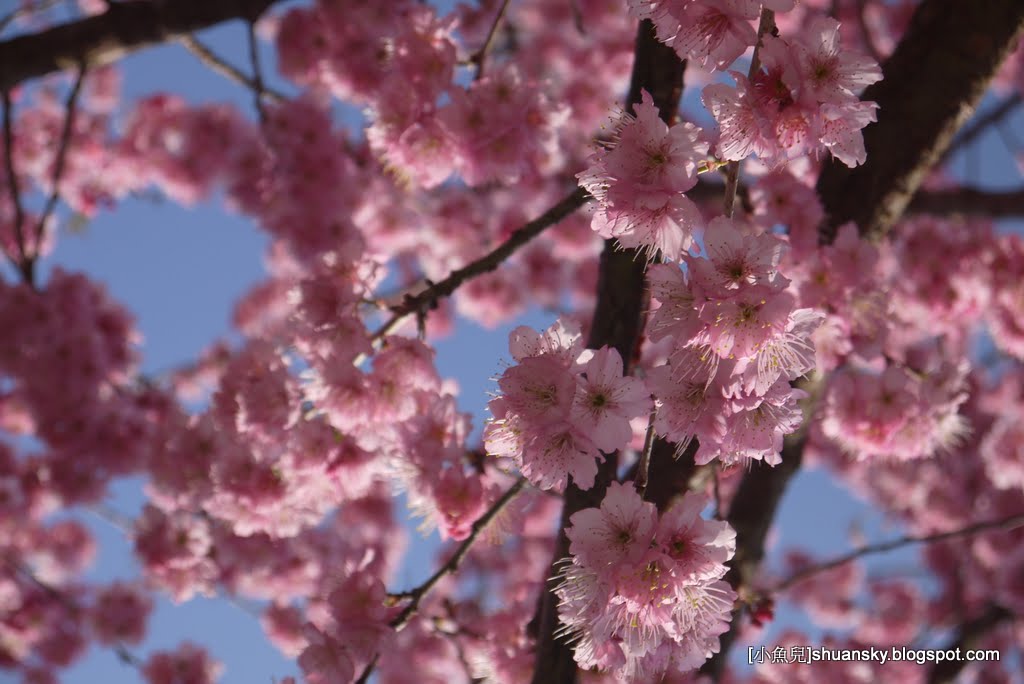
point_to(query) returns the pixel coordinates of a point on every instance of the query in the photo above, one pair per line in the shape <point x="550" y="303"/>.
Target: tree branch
<point x="967" y="637"/>
<point x="751" y="515"/>
<point x="70" y="105"/>
<point x="450" y="566"/>
<point x="618" y="322"/>
<point x="668" y="475"/>
<point x="19" y="260"/>
<point x="486" y="263"/>
<point x="123" y="28"/>
<point x="732" y="171"/>
<point x="259" y="90"/>
<point x="974" y="130"/>
<point x="933" y="82"/>
<point x="480" y="55"/>
<point x="220" y="65"/>
<point x="970" y="202"/>
<point x="416" y="595"/>
<point x="68" y="603"/>
<point x="1008" y="523"/>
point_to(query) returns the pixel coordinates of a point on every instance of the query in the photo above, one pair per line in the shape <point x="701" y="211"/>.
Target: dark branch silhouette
<point x="931" y="86"/>
<point x="618" y="322"/>
<point x="123" y="28"/>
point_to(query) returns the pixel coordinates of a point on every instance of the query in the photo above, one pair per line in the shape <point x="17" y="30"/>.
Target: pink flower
<point x="555" y="451"/>
<point x="743" y="129"/>
<point x="740" y="326"/>
<point x="620" y="531"/>
<point x="755" y="428"/>
<point x="802" y="100"/>
<point x="539" y="389"/>
<point x="713" y="33"/>
<point x="829" y="74"/>
<point x="735" y="257"/>
<point x="325" y="660"/>
<point x="840" y="130"/>
<point x="642" y="596"/>
<point x="189" y="664"/>
<point x="606" y="401"/>
<point x="677" y="315"/>
<point x="639" y="182"/>
<point x="698" y="547"/>
<point x="119" y="614"/>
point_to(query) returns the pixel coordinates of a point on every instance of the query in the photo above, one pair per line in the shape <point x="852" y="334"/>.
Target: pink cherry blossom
<point x="606" y="401"/>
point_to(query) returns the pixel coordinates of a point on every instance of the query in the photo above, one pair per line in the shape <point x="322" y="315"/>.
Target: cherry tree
<point x="743" y="213"/>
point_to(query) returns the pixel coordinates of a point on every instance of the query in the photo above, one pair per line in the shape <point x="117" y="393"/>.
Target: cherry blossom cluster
<point x="1006" y="317"/>
<point x="562" y="406"/>
<point x="72" y="335"/>
<point x="643" y="595"/>
<point x="803" y="100"/>
<point x="352" y="623"/>
<point x="639" y="181"/>
<point x="899" y="412"/>
<point x="713" y="33"/>
<point x="187" y="663"/>
<point x="970" y="481"/>
<point x="500" y="128"/>
<point x="737" y="340"/>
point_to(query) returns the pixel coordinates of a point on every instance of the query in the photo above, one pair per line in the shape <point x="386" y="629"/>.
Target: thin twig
<point x="70" y="605"/>
<point x="12" y="185"/>
<point x="484" y="264"/>
<point x="577" y="17"/>
<point x="644" y="465"/>
<point x="981" y="124"/>
<point x="481" y="54"/>
<point x="229" y="71"/>
<point x="865" y="31"/>
<point x="416" y="595"/>
<point x="732" y="172"/>
<point x="368" y="670"/>
<point x="25" y="10"/>
<point x="259" y="89"/>
<point x="716" y="492"/>
<point x="1010" y="140"/>
<point x="70" y="105"/>
<point x="1007" y="523"/>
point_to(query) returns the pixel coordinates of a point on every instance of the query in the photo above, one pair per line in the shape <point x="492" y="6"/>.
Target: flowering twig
<point x="1007" y="523"/>
<point x="70" y="106"/>
<point x="644" y="464"/>
<point x="218" y="64"/>
<point x="257" y="72"/>
<point x="70" y="605"/>
<point x="12" y="185"/>
<point x="732" y="172"/>
<point x="416" y="595"/>
<point x="485" y="264"/>
<point x="480" y="55"/>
